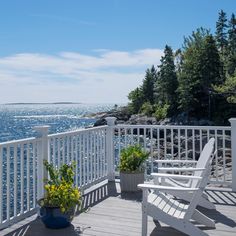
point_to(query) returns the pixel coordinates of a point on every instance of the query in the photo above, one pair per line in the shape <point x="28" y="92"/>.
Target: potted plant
<point x="61" y="197"/>
<point x="131" y="167"/>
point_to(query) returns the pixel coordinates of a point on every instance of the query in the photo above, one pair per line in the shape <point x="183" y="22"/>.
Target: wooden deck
<point x="109" y="213"/>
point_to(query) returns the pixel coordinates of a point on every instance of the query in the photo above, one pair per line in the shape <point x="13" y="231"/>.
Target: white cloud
<point x="107" y="76"/>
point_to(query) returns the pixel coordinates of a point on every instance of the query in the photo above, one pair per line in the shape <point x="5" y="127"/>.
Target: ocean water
<point x="17" y="121"/>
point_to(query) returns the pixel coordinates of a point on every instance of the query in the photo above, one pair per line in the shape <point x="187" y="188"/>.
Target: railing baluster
<point x="8" y="183"/>
<point x="125" y="136"/>
<point x="193" y="144"/>
<point x="172" y="143"/>
<point x="216" y="156"/>
<point x="72" y="149"/>
<point x="58" y="152"/>
<point x="63" y="150"/>
<point x="132" y="136"/>
<point x="95" y="155"/>
<point x="138" y="135"/>
<point x="200" y="140"/>
<point x="152" y="144"/>
<point x="22" y="177"/>
<point x="103" y="154"/>
<point x="28" y="176"/>
<point x="186" y="144"/>
<point x="119" y="140"/>
<point x="80" y="161"/>
<point x="223" y="154"/>
<point x="165" y="143"/>
<point x="54" y="152"/>
<point x="15" y="180"/>
<point x="87" y="157"/>
<point x="179" y="140"/>
<point x="1" y="178"/>
<point x="158" y="144"/>
<point x="76" y="161"/>
<point x="34" y="174"/>
<point x="91" y="156"/>
<point x="83" y="158"/>
<point x="68" y="149"/>
<point x="100" y="152"/>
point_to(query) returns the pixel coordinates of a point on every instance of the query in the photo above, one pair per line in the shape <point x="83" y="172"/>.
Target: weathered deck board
<point x="116" y="215"/>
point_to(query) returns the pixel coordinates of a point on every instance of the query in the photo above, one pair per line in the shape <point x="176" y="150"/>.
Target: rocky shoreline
<point x="124" y="117"/>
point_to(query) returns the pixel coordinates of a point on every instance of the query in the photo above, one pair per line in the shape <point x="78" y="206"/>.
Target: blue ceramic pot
<point x="53" y="218"/>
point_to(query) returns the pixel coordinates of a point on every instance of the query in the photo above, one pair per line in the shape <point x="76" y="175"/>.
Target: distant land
<point x="40" y="103"/>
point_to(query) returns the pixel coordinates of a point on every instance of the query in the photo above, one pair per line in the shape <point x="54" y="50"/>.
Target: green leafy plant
<point x="132" y="159"/>
<point x="60" y="189"/>
<point x="161" y="111"/>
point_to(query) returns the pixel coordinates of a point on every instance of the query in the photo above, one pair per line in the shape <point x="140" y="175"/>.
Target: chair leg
<point x="192" y="230"/>
<point x="185" y="226"/>
<point x="157" y="223"/>
<point x="144" y="223"/>
<point x="202" y="219"/>
<point x="206" y="203"/>
<point x="144" y="213"/>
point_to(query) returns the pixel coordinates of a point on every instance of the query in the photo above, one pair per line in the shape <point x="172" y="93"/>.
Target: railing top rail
<point x="175" y="127"/>
<point x="19" y="141"/>
<point x="74" y="132"/>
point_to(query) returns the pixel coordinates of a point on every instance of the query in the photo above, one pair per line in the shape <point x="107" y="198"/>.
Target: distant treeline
<point x="198" y="79"/>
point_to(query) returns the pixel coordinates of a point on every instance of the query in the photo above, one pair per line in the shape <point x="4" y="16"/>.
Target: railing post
<point x="233" y="152"/>
<point x="42" y="154"/>
<point x="110" y="148"/>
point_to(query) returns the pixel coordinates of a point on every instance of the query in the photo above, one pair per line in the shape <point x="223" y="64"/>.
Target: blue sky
<point x="91" y="51"/>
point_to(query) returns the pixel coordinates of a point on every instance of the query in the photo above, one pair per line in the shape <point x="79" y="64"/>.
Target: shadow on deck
<point x="110" y="213"/>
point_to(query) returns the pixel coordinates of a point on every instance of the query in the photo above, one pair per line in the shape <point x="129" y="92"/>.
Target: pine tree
<point x="200" y="70"/>
<point x="231" y="59"/>
<point x="167" y="83"/>
<point x="187" y="80"/>
<point x="228" y="89"/>
<point x="221" y="41"/>
<point x="148" y="85"/>
<point x="221" y="33"/>
<point x="136" y="98"/>
<point x="209" y="75"/>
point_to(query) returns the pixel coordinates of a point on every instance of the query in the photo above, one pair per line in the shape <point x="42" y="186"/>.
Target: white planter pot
<point x="129" y="181"/>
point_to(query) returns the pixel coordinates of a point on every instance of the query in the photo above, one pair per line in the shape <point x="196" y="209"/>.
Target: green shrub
<point x="161" y="111"/>
<point x="147" y="109"/>
<point x="132" y="159"/>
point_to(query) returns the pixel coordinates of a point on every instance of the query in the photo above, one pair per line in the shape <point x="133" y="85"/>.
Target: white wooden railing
<point x="95" y="152"/>
<point x="18" y="182"/>
<point x="178" y="142"/>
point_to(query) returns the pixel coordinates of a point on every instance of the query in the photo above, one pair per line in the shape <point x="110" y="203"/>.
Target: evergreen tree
<point x="231" y="59"/>
<point x="167" y="83"/>
<point x="221" y="33"/>
<point x="209" y="75"/>
<point x="136" y="98"/>
<point x="196" y="39"/>
<point x="221" y="40"/>
<point x="187" y="80"/>
<point x="148" y="85"/>
<point x="200" y="70"/>
<point x="228" y="89"/>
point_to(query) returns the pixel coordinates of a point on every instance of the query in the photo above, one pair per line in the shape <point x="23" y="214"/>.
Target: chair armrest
<point x="165" y="188"/>
<point x="176" y="176"/>
<point x="191" y="169"/>
<point x="175" y="161"/>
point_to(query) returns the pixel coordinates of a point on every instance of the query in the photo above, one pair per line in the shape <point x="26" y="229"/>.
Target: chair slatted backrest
<point x="201" y="184"/>
<point x="204" y="160"/>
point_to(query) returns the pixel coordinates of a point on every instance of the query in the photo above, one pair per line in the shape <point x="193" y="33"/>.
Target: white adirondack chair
<point x="162" y="206"/>
<point x="195" y="169"/>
